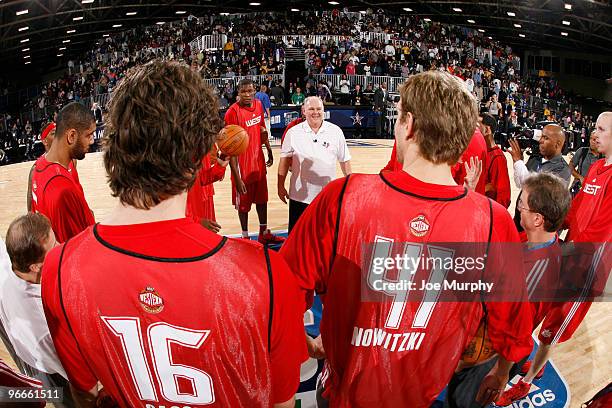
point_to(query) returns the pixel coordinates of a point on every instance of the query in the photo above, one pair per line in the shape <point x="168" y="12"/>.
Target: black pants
<point x="296" y="208"/>
<point x="463" y="386"/>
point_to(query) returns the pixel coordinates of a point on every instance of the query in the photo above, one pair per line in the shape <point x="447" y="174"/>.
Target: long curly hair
<point x="163" y="118"/>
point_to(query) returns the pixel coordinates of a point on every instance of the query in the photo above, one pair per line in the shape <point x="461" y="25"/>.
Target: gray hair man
<point x="311" y="149"/>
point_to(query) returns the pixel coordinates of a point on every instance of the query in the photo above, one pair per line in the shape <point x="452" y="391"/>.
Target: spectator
<point x="298" y="97"/>
<point x="277" y="94"/>
<point x="497" y="180"/>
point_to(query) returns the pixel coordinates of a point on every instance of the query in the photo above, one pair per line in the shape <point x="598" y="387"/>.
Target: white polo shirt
<point x="314" y="158"/>
<point x="23" y="318"/>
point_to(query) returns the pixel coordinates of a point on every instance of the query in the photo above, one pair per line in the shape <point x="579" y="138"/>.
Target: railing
<point x="208" y="42"/>
<point x="393" y="83"/>
<point x="221" y="82"/>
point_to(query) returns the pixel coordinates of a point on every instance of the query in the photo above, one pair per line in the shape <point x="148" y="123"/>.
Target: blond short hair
<point x="445" y="114"/>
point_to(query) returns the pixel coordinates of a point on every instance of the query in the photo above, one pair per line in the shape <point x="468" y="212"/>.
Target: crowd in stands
<point x="415" y="45"/>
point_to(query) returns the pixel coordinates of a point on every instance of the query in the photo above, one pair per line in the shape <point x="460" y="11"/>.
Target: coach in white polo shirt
<point x="311" y="149"/>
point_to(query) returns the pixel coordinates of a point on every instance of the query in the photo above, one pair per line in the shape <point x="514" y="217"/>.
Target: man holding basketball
<point x="249" y="182"/>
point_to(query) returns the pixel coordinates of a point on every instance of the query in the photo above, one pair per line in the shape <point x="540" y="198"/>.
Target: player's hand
<point x="270" y="159"/>
<point x="210" y="225"/>
<point x="515" y="150"/>
<point x="473" y="169"/>
<point x="491" y="387"/>
<point x="581" y="178"/>
<point x="282" y="194"/>
<point x="315" y="347"/>
<point x="240" y="187"/>
<point x="223" y="160"/>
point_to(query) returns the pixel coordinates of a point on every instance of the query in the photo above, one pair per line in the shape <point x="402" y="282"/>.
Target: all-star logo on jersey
<point x="151" y="301"/>
<point x="419" y="226"/>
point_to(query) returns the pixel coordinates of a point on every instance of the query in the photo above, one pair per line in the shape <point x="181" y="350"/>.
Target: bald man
<point x="549" y="160"/>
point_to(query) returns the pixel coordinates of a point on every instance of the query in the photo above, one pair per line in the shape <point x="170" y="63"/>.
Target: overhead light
<point x="408" y="9"/>
<point x="518" y="25"/>
<point x="87" y="1"/>
<point x="181" y="12"/>
<point x="77" y="18"/>
<point x="254" y="4"/>
<point x="59" y="55"/>
<point x="568" y="6"/>
<point x="362" y="12"/>
<point x="26" y="56"/>
<point x="471" y="21"/>
<point x="522" y="35"/>
<point x="105" y="35"/>
<point x="333" y="3"/>
<point x="25" y="40"/>
<point x="511" y="13"/>
<point x="427" y="19"/>
<point x="131" y="13"/>
<point x="563" y="33"/>
<point x="22" y="12"/>
<point x="117" y="25"/>
<point x="565" y="22"/>
<point x="161" y="22"/>
<point x="27" y="62"/>
<point x="66" y="41"/>
<point x="25" y="49"/>
<point x="224" y="14"/>
<point x="490" y="38"/>
<point x="24" y="28"/>
<point x="293" y="9"/>
<point x="70" y="31"/>
<point x="457" y="9"/>
<point x="481" y="30"/>
<point x="62" y="48"/>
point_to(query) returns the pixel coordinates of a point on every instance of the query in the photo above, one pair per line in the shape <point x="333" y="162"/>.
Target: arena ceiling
<point x="38" y="36"/>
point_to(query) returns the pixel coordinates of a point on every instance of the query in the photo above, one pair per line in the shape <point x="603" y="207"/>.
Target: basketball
<point x="480" y="348"/>
<point x="233" y="140"/>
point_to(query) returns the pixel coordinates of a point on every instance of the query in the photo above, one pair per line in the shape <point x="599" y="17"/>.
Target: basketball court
<point x="580" y="368"/>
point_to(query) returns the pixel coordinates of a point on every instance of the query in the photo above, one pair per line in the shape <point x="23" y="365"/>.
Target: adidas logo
<point x="536" y="397"/>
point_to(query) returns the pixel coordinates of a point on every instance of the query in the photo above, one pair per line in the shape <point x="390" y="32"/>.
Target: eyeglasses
<point x="521" y="207"/>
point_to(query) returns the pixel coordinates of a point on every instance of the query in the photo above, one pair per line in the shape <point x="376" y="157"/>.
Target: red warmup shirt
<point x="251" y="163"/>
<point x="351" y="213"/>
<point x="476" y="148"/>
<point x="200" y="203"/>
<point x="58" y="194"/>
<point x="394" y="164"/>
<point x="590" y="216"/>
<point x="169" y="313"/>
<point x="497" y="182"/>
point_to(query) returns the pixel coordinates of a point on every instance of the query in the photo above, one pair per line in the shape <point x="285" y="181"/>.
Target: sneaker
<point x="526" y="367"/>
<point x="267" y="238"/>
<point x="518" y="391"/>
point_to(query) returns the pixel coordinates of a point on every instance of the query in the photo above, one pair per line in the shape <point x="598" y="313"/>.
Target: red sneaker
<point x="526" y="367"/>
<point x="267" y="238"/>
<point x="518" y="391"/>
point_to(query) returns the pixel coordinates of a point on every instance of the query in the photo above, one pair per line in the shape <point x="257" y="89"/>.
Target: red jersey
<point x="58" y="194"/>
<point x="200" y="203"/>
<point x="590" y="216"/>
<point x="542" y="268"/>
<point x="398" y="352"/>
<point x="168" y="314"/>
<point x="251" y="163"/>
<point x="394" y="164"/>
<point x="497" y="181"/>
<point x="477" y="148"/>
<point x="291" y="124"/>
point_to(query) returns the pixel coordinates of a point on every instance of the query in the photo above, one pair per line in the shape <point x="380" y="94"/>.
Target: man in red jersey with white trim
<point x="355" y="217"/>
<point x="249" y="181"/>
<point x="56" y="190"/>
<point x="496" y="178"/>
<point x="148" y="303"/>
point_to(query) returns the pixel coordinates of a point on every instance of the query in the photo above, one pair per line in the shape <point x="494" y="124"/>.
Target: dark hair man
<point x="56" y="190"/>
